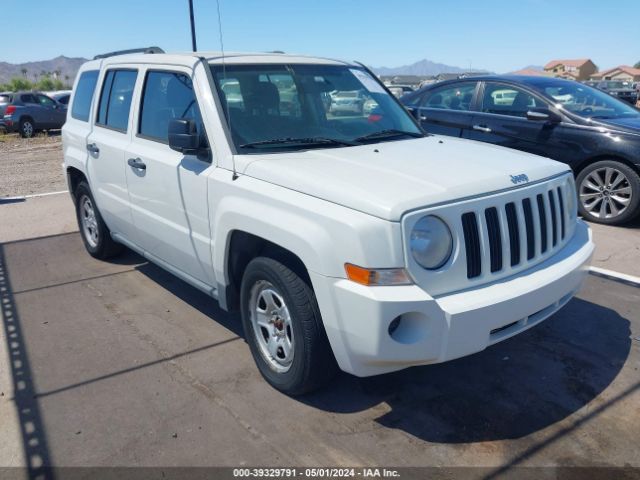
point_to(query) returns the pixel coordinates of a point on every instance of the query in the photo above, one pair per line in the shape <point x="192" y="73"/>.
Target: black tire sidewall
<point x="292" y="381"/>
<point x="634" y="181"/>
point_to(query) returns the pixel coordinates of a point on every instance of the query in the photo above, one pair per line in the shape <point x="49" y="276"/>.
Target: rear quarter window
<point x="84" y="95"/>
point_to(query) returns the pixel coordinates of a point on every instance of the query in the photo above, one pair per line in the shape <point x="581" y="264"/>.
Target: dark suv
<point x="597" y="135"/>
<point x="622" y="90"/>
<point x="28" y="112"/>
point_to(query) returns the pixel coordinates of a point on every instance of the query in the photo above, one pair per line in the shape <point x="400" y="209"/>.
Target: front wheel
<point x="283" y="328"/>
<point x="608" y="192"/>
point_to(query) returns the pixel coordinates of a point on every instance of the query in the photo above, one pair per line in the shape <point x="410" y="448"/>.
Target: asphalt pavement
<point x="119" y="363"/>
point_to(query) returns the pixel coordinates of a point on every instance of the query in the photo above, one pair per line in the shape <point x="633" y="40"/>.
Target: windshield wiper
<point x="299" y="141"/>
<point x="391" y="132"/>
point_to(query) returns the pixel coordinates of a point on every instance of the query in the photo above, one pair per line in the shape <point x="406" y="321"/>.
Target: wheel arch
<point x="74" y="177"/>
<point x="602" y="157"/>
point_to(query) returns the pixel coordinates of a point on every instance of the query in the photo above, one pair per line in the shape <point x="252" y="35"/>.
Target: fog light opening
<point x="408" y="328"/>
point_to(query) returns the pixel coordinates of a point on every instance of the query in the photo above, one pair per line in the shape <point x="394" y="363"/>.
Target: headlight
<point x="431" y="242"/>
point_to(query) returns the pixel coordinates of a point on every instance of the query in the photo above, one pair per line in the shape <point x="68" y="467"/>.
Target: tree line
<point x="44" y="81"/>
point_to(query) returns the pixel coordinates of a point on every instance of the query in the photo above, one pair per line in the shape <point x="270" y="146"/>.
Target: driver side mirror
<point x="184" y="137"/>
<point x="543" y="115"/>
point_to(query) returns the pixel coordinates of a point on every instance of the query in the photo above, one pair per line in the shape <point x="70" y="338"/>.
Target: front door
<point x="502" y="120"/>
<point x="167" y="189"/>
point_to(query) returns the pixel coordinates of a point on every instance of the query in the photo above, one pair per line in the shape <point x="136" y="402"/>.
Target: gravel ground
<point x="30" y="166"/>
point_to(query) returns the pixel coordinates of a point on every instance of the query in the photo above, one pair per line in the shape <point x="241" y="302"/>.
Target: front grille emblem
<point x="521" y="178"/>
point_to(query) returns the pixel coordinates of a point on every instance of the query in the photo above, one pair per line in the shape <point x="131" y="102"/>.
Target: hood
<point x="390" y="178"/>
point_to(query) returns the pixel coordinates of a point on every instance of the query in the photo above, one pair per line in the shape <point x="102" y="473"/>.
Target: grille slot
<point x="554" y="218"/>
<point x="528" y="222"/>
<point x="472" y="244"/>
<point x="561" y="203"/>
<point x="514" y="232"/>
<point x="495" y="240"/>
<point x="542" y="214"/>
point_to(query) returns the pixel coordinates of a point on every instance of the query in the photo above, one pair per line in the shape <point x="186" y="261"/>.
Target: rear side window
<point x="28" y="98"/>
<point x="451" y="97"/>
<point x="167" y="96"/>
<point x="115" y="99"/>
<point x="84" y="95"/>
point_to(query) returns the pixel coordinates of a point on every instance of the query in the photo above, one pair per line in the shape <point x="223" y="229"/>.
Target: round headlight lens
<point x="431" y="242"/>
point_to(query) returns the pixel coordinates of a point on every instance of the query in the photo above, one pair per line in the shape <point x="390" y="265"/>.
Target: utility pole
<point x="193" y="27"/>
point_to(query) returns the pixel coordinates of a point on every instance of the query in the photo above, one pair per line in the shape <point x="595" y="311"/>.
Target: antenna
<point x="224" y="77"/>
<point x="193" y="27"/>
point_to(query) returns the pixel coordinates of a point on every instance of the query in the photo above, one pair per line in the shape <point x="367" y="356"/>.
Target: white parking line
<point x="34" y="195"/>
<point x="617" y="276"/>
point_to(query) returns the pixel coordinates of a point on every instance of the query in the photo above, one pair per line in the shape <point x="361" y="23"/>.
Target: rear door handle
<point x="482" y="128"/>
<point x="93" y="148"/>
<point x="137" y="163"/>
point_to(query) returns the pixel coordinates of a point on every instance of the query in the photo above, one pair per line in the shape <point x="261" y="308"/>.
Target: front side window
<point x="451" y="97"/>
<point x="508" y="100"/>
<point x="45" y="101"/>
<point x="167" y="96"/>
<point x="115" y="99"/>
<point x="84" y="95"/>
<point x="287" y="107"/>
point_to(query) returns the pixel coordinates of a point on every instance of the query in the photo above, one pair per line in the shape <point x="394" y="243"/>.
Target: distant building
<point x="580" y="69"/>
<point x="624" y="73"/>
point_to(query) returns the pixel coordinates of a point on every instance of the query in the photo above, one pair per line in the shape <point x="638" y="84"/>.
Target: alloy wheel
<point x="605" y="193"/>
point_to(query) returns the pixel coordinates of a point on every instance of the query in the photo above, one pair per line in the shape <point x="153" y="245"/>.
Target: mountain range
<point x="67" y="68"/>
<point x="422" y="68"/>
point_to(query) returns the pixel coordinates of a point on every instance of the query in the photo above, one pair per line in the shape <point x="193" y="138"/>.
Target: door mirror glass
<point x="183" y="136"/>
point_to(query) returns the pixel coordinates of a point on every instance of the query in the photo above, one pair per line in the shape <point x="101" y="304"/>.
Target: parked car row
<point x="593" y="132"/>
<point x="30" y="112"/>
<point x="626" y="91"/>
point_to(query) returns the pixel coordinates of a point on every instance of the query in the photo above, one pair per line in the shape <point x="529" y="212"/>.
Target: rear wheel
<point x="608" y="192"/>
<point x="94" y="232"/>
<point x="284" y="329"/>
<point x="27" y="128"/>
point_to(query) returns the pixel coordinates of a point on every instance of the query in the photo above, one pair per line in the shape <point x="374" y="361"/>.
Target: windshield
<point x="289" y="107"/>
<point x="587" y="102"/>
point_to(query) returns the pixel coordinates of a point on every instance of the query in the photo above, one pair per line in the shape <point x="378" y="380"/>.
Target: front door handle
<point x="137" y="163"/>
<point x="482" y="128"/>
<point x="93" y="148"/>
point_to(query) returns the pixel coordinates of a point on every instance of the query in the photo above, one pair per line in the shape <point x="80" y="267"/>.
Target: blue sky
<point x="499" y="35"/>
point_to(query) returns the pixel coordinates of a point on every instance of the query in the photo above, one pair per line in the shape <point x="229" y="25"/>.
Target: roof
<point x="189" y="58"/>
<point x="623" y="68"/>
<point x="569" y="63"/>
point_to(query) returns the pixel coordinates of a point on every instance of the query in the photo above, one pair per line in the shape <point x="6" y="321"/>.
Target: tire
<point x="301" y="359"/>
<point x="608" y="192"/>
<point x="94" y="232"/>
<point x="27" y="128"/>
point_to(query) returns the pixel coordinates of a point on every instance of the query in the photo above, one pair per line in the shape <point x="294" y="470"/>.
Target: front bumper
<point x="433" y="330"/>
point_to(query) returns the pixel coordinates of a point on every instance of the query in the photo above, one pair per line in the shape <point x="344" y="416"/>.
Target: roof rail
<point x="133" y="50"/>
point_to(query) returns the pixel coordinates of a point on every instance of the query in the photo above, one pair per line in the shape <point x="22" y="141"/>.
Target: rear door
<point x="502" y="120"/>
<point x="447" y="110"/>
<point x="78" y="126"/>
<point x="107" y="144"/>
<point x="32" y="108"/>
<point x="168" y="190"/>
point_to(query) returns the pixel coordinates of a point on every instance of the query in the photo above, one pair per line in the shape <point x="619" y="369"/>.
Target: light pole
<point x="193" y="27"/>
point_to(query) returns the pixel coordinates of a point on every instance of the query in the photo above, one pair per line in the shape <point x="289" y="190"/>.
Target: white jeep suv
<point x="355" y="242"/>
